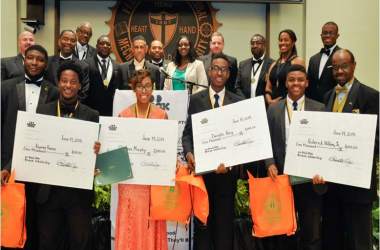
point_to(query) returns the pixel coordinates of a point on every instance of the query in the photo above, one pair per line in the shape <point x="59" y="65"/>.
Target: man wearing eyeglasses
<point x="83" y="50"/>
<point x="347" y="217"/>
<point x="217" y="234"/>
<point x="320" y="72"/>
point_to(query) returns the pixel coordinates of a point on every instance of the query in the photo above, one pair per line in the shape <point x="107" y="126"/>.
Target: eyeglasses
<point x="218" y="69"/>
<point x="146" y="87"/>
<point x="344" y="67"/>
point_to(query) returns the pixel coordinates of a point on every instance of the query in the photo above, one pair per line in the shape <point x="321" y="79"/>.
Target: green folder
<point x="114" y="167"/>
<point x="294" y="180"/>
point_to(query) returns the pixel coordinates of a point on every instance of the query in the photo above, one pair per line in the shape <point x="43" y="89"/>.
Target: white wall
<point x="9" y="20"/>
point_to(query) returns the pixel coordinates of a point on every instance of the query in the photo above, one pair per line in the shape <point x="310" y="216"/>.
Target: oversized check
<point x="53" y="150"/>
<point x="233" y="134"/>
<point x="337" y="146"/>
<point x="151" y="143"/>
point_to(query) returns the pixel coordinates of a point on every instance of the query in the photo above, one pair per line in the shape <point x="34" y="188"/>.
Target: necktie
<point x="256" y="61"/>
<point x="216" y="104"/>
<point x="340" y="89"/>
<point x="295" y="105"/>
<point x="325" y="51"/>
<point x="104" y="69"/>
<point x="38" y="83"/>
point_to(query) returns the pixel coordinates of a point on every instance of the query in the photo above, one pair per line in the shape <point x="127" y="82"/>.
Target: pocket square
<point x="330" y="66"/>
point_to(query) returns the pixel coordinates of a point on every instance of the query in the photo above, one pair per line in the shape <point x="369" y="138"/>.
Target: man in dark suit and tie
<point x="347" y="220"/>
<point x="66" y="44"/>
<point x="320" y="70"/>
<point x="104" y="78"/>
<point x="14" y="66"/>
<point x="64" y="213"/>
<point x="250" y="80"/>
<point x="25" y="94"/>
<point x="156" y="54"/>
<point x="139" y="50"/>
<point x="216" y="47"/>
<point x="308" y="202"/>
<point x="221" y="184"/>
<point x="83" y="50"/>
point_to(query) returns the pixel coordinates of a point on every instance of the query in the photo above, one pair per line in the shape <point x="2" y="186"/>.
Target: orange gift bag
<point x="171" y="203"/>
<point x="13" y="209"/>
<point x="272" y="206"/>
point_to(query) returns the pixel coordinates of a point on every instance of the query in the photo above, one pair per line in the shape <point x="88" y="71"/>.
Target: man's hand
<point x="272" y="171"/>
<point x="222" y="169"/>
<point x="4" y="176"/>
<point x="318" y="180"/>
<point x="97" y="172"/>
<point x="97" y="147"/>
<point x="190" y="161"/>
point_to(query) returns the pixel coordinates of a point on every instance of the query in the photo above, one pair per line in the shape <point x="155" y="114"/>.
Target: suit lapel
<point x="282" y="119"/>
<point x="20" y="63"/>
<point x="317" y="65"/>
<point x="20" y="88"/>
<point x="351" y="98"/>
<point x="330" y="103"/>
<point x="227" y="98"/>
<point x="206" y="100"/>
<point x="43" y="93"/>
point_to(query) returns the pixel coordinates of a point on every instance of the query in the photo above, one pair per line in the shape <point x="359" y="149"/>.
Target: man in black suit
<point x="347" y="220"/>
<point x="26" y="94"/>
<point x="139" y="50"/>
<point x="308" y="202"/>
<point x="64" y="214"/>
<point x="66" y="44"/>
<point x="14" y="66"/>
<point x="320" y="69"/>
<point x="250" y="81"/>
<point x="221" y="184"/>
<point x="216" y="47"/>
<point x="104" y="78"/>
<point x="156" y="54"/>
<point x="83" y="50"/>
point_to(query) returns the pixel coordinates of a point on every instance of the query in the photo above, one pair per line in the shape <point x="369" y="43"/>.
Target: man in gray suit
<point x="308" y="202"/>
<point x="14" y="66"/>
<point x="250" y="81"/>
<point x="83" y="49"/>
<point x="216" y="47"/>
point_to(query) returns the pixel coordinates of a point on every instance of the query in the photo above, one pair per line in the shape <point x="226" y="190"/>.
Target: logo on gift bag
<point x="272" y="209"/>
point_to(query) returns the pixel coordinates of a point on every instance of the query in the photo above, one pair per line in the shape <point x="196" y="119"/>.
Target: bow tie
<point x="38" y="83"/>
<point x="259" y="61"/>
<point x="340" y="89"/>
<point x="325" y="51"/>
<point x="61" y="60"/>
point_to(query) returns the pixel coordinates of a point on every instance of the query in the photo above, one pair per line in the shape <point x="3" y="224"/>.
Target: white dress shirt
<point x="289" y="108"/>
<point x="82" y="50"/>
<point x="324" y="59"/>
<point x="138" y="65"/>
<point x="109" y="67"/>
<point x="221" y="95"/>
<point x="32" y="95"/>
<point x="255" y="78"/>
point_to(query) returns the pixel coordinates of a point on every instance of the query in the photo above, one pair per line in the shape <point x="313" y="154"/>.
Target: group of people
<point x="80" y="83"/>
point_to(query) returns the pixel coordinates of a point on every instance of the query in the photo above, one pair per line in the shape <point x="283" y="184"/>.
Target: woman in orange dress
<point x="134" y="229"/>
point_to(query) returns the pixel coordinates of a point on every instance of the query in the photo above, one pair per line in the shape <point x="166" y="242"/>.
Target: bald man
<point x="83" y="50"/>
<point x="12" y="67"/>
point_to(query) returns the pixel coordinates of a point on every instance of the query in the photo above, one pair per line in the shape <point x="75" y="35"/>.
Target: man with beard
<point x="25" y="95"/>
<point x="104" y="78"/>
<point x="66" y="44"/>
<point x="252" y="72"/>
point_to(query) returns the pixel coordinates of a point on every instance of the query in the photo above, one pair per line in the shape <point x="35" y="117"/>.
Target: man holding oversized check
<point x="347" y="209"/>
<point x="58" y="152"/>
<point x="220" y="183"/>
<point x="308" y="202"/>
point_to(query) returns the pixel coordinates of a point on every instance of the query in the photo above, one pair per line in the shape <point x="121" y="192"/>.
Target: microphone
<point x="166" y="74"/>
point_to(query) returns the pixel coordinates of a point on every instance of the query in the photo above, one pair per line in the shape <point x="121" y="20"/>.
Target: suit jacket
<point x="12" y="67"/>
<point x="243" y="80"/>
<point x="91" y="52"/>
<point x="128" y="69"/>
<point x="364" y="100"/>
<point x="318" y="87"/>
<point x="51" y="74"/>
<point x="82" y="113"/>
<point x="99" y="96"/>
<point x="12" y="100"/>
<point x="195" y="73"/>
<point x="276" y="122"/>
<point x="230" y="84"/>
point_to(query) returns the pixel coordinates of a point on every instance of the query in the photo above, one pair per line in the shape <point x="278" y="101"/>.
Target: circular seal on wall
<point x="161" y="20"/>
